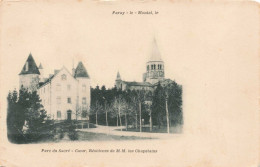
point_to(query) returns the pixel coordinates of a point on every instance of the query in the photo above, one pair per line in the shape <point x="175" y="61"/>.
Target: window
<point x="58" y="114"/>
<point x="68" y="87"/>
<point x="63" y="77"/>
<point x="84" y="88"/>
<point x="58" y="100"/>
<point x="58" y="87"/>
<point x="147" y="67"/>
<point x="69" y="100"/>
<point x="84" y="100"/>
<point x="158" y="66"/>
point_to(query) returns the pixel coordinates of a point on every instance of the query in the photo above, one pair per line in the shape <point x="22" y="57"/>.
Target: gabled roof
<point x="155" y="53"/>
<point x="81" y="71"/>
<point x="30" y="67"/>
<point x="52" y="76"/>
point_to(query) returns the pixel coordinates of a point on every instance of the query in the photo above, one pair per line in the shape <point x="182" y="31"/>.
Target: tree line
<point x="136" y="108"/>
<point x="27" y="120"/>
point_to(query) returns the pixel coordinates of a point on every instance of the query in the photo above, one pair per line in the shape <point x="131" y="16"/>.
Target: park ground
<point x="93" y="132"/>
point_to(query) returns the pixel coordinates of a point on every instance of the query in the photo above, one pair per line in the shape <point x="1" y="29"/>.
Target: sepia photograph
<point x="129" y="83"/>
<point x="65" y="106"/>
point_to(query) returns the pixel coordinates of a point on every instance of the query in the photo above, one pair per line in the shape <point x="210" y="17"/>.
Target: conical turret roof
<point x="30" y="66"/>
<point x="155" y="53"/>
<point x="81" y="71"/>
<point x="118" y="77"/>
<point x="40" y="66"/>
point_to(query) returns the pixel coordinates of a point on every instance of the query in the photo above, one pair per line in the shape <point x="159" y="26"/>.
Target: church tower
<point x="118" y="81"/>
<point x="154" y="66"/>
<point x="29" y="76"/>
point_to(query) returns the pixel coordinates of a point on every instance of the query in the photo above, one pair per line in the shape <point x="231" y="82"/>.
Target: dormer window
<point x="63" y="77"/>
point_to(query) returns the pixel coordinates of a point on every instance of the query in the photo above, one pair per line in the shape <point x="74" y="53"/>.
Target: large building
<point x="65" y="95"/>
<point x="151" y="78"/>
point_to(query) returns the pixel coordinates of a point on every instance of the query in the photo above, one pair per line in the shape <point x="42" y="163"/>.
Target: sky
<point x="59" y="34"/>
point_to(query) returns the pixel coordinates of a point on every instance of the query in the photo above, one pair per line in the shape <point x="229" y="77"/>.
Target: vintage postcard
<point x="129" y="83"/>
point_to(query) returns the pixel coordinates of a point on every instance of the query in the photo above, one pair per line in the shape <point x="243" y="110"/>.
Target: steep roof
<point x="40" y="66"/>
<point x="155" y="53"/>
<point x="30" y="67"/>
<point x="118" y="77"/>
<point x="52" y="76"/>
<point x="81" y="71"/>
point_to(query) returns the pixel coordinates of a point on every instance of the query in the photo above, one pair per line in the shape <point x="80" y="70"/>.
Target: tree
<point x="175" y="103"/>
<point x="158" y="105"/>
<point x="95" y="109"/>
<point x="26" y="111"/>
<point x="35" y="116"/>
<point x="134" y="108"/>
<point x="119" y="106"/>
<point x="15" y="118"/>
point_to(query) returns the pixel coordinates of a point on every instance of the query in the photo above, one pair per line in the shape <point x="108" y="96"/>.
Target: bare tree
<point x="119" y="106"/>
<point x="95" y="109"/>
<point x="134" y="109"/>
<point x="140" y="97"/>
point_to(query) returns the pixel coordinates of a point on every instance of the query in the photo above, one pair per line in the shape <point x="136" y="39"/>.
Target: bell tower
<point x="118" y="82"/>
<point x="154" y="66"/>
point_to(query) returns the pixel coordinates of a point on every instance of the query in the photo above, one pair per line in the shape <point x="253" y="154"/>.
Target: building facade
<point x="65" y="95"/>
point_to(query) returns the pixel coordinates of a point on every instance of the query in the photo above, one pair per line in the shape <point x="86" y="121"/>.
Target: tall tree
<point x="158" y="106"/>
<point x="119" y="106"/>
<point x="96" y="109"/>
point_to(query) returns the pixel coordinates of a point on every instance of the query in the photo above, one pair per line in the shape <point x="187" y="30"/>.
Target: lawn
<point x="89" y="136"/>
